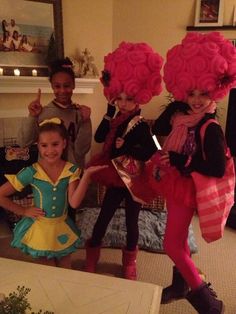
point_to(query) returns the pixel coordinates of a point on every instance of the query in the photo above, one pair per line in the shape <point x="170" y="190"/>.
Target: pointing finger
<point x="38" y="95"/>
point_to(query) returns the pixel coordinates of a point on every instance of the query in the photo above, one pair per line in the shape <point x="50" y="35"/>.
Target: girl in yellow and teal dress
<point x="46" y="232"/>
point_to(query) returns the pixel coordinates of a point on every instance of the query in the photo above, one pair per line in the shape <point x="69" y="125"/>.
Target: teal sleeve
<point x="23" y="178"/>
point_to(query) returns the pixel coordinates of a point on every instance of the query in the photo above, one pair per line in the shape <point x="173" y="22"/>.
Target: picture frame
<point x="209" y="13"/>
<point x="234" y="16"/>
<point x="35" y="29"/>
<point x="233" y="41"/>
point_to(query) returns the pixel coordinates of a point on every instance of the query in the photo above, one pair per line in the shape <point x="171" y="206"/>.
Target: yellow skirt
<point x="50" y="234"/>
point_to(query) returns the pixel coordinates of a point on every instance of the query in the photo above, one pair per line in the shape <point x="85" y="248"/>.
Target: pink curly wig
<point x="133" y="69"/>
<point x="202" y="61"/>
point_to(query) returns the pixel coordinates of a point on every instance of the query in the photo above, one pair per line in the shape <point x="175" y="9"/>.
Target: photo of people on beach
<point x="25" y="35"/>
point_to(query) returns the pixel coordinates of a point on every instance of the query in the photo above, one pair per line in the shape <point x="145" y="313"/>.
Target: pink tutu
<point x="169" y="182"/>
<point x="109" y="177"/>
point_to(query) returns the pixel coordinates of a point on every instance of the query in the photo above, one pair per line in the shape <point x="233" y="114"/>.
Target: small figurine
<point x="88" y="68"/>
<point x="83" y="65"/>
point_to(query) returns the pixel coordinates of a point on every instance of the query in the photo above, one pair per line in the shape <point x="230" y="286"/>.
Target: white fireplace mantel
<point x="29" y="84"/>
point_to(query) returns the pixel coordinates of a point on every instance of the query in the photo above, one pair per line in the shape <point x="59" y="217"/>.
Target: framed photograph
<point x="234" y="16"/>
<point x="209" y="13"/>
<point x="233" y="41"/>
<point x="31" y="36"/>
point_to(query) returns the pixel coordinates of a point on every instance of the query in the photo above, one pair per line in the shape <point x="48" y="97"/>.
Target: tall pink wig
<point x="202" y="61"/>
<point x="133" y="68"/>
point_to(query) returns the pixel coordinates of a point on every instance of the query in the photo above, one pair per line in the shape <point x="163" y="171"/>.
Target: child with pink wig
<point x="198" y="71"/>
<point x="131" y="77"/>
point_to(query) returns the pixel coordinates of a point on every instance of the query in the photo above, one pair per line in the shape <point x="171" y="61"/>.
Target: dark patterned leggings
<point x="112" y="200"/>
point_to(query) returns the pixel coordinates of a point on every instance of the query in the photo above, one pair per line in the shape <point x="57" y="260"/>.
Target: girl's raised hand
<point x="33" y="212"/>
<point x="112" y="101"/>
<point x="165" y="159"/>
<point x="92" y="169"/>
<point x="85" y="112"/>
<point x="35" y="106"/>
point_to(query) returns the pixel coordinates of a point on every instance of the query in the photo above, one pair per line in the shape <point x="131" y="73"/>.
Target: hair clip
<point x="52" y="120"/>
<point x="225" y="80"/>
<point x="106" y="77"/>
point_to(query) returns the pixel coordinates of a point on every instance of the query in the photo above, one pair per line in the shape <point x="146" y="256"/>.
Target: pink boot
<point x="92" y="257"/>
<point x="129" y="264"/>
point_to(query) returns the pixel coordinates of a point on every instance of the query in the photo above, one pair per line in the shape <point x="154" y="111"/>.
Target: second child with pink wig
<point x="198" y="72"/>
<point x="131" y="77"/>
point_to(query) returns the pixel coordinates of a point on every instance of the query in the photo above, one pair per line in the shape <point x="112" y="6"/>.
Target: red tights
<point x="176" y="241"/>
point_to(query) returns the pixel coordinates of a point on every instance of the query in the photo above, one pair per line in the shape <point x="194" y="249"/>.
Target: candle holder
<point x="34" y="72"/>
<point x="16" y="72"/>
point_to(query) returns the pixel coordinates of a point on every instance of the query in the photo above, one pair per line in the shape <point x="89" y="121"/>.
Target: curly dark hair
<point x="64" y="65"/>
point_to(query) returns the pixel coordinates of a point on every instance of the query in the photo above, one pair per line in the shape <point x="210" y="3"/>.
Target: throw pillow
<point x="151" y="229"/>
<point x="158" y="204"/>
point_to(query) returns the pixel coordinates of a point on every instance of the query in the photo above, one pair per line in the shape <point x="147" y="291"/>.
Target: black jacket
<point x="138" y="142"/>
<point x="214" y="143"/>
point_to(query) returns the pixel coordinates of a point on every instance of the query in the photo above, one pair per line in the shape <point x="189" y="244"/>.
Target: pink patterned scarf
<point x="180" y="124"/>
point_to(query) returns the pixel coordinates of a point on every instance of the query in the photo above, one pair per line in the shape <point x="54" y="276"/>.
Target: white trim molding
<point x="29" y="84"/>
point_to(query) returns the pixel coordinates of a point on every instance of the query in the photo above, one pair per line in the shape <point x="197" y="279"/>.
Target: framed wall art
<point x="209" y="13"/>
<point x="233" y="41"/>
<point x="31" y="36"/>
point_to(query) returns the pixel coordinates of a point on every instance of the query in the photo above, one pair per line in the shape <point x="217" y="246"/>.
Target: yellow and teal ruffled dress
<point x="54" y="235"/>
